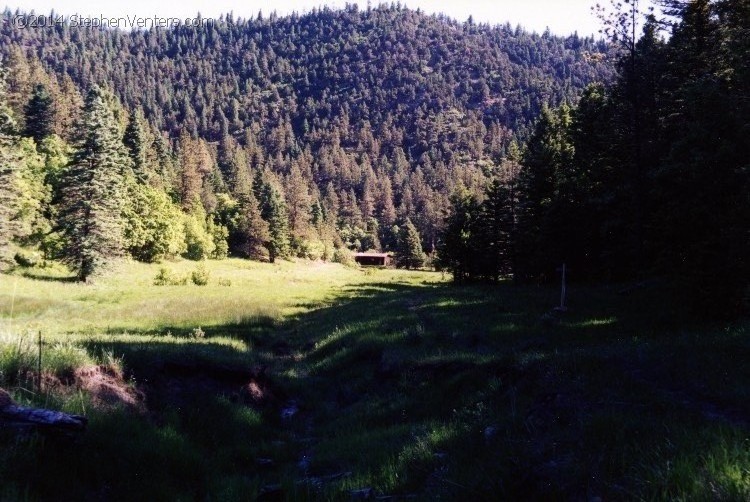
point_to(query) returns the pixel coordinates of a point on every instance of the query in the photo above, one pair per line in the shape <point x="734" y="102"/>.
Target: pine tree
<point x="298" y="202"/>
<point x="458" y="247"/>
<point x="278" y="226"/>
<point x="541" y="222"/>
<point x="195" y="162"/>
<point x="497" y="231"/>
<point x="409" y="253"/>
<point x="92" y="188"/>
<point x="254" y="229"/>
<point x="135" y="142"/>
<point x="39" y="114"/>
<point x="273" y="211"/>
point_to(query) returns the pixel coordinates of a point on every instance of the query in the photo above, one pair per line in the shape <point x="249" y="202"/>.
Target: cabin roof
<point x="371" y="255"/>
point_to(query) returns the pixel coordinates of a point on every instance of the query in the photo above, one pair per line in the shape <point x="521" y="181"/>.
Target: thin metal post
<point x="39" y="364"/>
<point x="562" y="292"/>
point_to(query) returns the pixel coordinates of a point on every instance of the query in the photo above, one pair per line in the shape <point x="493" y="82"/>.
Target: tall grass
<point x="19" y="358"/>
<point x="404" y="385"/>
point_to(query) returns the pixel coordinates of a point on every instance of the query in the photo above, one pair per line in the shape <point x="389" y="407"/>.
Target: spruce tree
<point x="39" y="114"/>
<point x="542" y="182"/>
<point x="135" y="142"/>
<point x="274" y="212"/>
<point x="457" y="250"/>
<point x="254" y="229"/>
<point x="92" y="187"/>
<point x="298" y="197"/>
<point x="409" y="253"/>
<point x="496" y="231"/>
<point x="278" y="226"/>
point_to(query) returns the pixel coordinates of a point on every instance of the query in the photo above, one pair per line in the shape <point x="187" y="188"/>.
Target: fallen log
<point x="23" y="419"/>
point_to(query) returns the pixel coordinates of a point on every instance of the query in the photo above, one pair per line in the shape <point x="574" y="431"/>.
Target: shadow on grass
<point x="50" y="278"/>
<point x="435" y="391"/>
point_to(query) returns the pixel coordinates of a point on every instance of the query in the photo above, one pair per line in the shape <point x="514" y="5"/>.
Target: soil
<point x="108" y="388"/>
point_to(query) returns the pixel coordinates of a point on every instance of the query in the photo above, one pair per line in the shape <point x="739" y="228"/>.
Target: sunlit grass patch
<point x="20" y="358"/>
<point x="592" y="323"/>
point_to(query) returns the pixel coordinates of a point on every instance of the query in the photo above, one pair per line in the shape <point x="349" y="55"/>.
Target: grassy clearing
<point x="400" y="383"/>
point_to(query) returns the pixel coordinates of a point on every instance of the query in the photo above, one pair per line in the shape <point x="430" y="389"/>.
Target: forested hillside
<point x="276" y="135"/>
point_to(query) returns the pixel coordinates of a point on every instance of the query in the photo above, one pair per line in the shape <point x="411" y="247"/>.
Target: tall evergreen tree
<point x="497" y="230"/>
<point x="273" y="211"/>
<point x="409" y="253"/>
<point x="546" y="162"/>
<point x="253" y="228"/>
<point x="195" y="163"/>
<point x="135" y="142"/>
<point x="39" y="114"/>
<point x="278" y="225"/>
<point x="92" y="186"/>
<point x="458" y="250"/>
<point x="298" y="202"/>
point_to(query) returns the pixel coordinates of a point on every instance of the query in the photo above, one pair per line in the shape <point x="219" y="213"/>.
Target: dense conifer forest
<point x="309" y="135"/>
<point x="275" y="136"/>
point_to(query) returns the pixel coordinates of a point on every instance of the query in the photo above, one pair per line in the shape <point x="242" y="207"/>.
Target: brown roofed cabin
<point x="373" y="259"/>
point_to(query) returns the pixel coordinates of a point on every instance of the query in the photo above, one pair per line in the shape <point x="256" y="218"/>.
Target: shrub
<point x="52" y="245"/>
<point x="154" y="227"/>
<point x="200" y="275"/>
<point x="219" y="235"/>
<point x="344" y="256"/>
<point x="165" y="277"/>
<point x="311" y="249"/>
<point x="200" y="244"/>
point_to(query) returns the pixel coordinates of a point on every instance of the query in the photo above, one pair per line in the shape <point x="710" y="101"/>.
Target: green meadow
<point x="311" y="381"/>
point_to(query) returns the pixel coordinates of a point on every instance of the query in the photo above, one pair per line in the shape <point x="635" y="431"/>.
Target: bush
<point x="165" y="277"/>
<point x="344" y="256"/>
<point x="311" y="249"/>
<point x="200" y="275"/>
<point x="154" y="227"/>
<point x="219" y="235"/>
<point x="328" y="251"/>
<point x="52" y="246"/>
<point x="200" y="244"/>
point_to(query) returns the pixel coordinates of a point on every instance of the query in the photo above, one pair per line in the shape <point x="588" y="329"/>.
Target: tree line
<point x="645" y="177"/>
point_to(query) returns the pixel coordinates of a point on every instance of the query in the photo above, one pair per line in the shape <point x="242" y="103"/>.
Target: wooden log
<point x="23" y="419"/>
